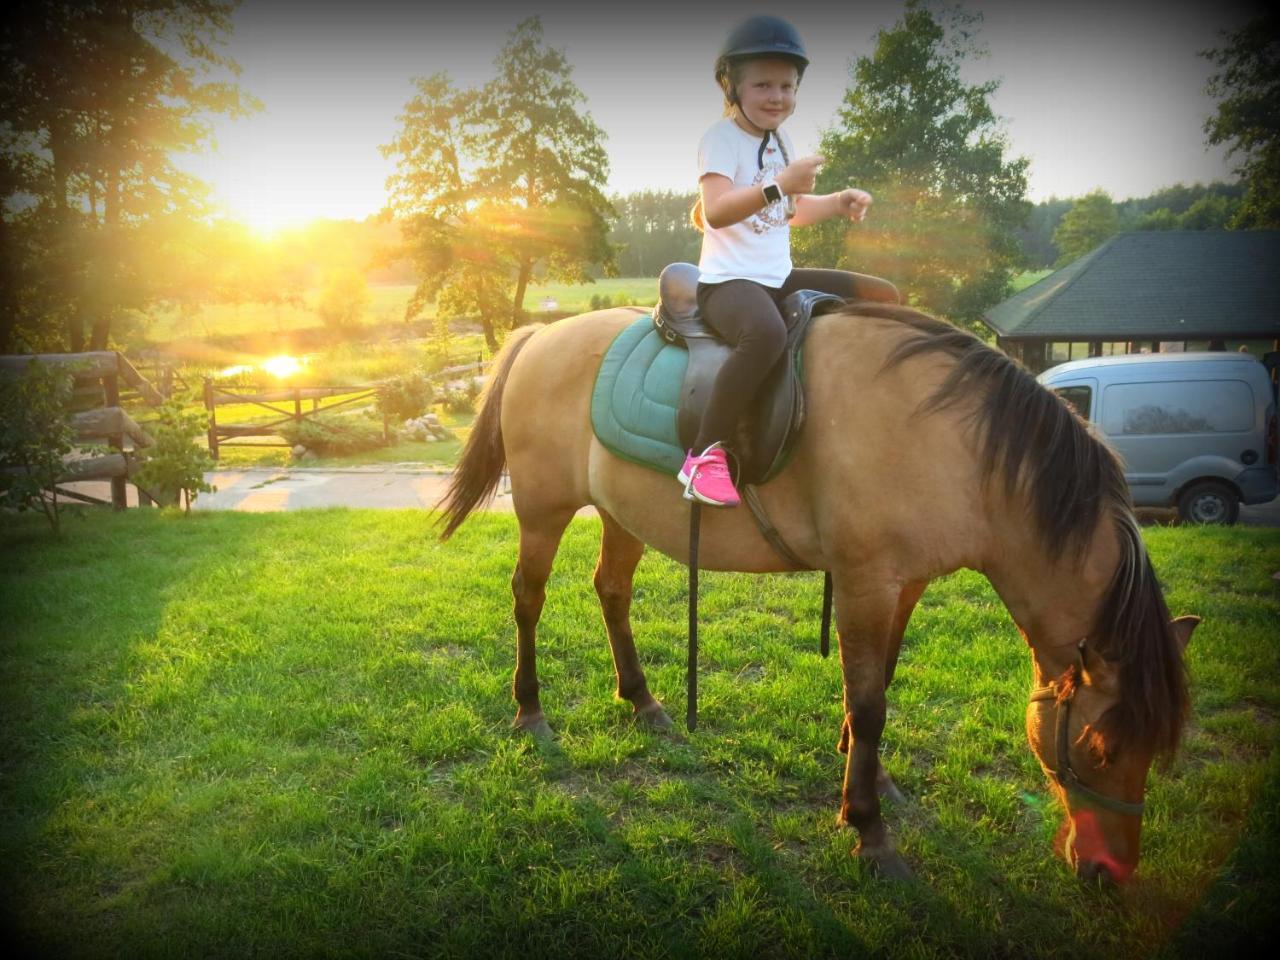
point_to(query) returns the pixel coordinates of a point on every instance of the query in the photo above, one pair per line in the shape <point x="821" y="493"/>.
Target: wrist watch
<point x="772" y="192"/>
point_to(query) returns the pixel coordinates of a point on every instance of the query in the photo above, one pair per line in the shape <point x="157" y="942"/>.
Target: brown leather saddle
<point x="773" y="422"/>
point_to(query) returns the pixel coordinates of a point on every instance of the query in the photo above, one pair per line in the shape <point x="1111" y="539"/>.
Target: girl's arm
<point x="849" y="203"/>
<point x="723" y="204"/>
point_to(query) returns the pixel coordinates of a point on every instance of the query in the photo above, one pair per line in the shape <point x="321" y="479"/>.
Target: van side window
<point x="1080" y="398"/>
<point x="1197" y="406"/>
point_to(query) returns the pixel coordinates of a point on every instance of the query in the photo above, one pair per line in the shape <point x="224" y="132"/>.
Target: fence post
<point x="213" y="417"/>
<point x="111" y="387"/>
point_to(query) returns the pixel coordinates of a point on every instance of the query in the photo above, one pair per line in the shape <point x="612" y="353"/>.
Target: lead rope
<point x="695" y="522"/>
<point x="825" y="642"/>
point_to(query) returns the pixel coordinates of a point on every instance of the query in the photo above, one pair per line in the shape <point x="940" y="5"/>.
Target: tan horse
<point x="924" y="451"/>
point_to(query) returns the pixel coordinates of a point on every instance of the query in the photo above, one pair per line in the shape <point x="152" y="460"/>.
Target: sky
<point x="1095" y="94"/>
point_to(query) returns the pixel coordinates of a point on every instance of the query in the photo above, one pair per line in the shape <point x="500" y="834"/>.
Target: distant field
<point x="386" y="307"/>
<point x="1024" y="280"/>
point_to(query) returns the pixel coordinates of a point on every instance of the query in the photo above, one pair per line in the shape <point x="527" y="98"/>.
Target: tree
<point x="1248" y="118"/>
<point x="343" y="300"/>
<point x="1036" y="237"/>
<point x="97" y="97"/>
<point x="1210" y="212"/>
<point x="493" y="183"/>
<point x="175" y="466"/>
<point x="652" y="230"/>
<point x="1090" y="222"/>
<point x="948" y="202"/>
<point x="1162" y="218"/>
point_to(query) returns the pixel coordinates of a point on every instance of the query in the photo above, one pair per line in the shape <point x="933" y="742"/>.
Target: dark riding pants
<point x="746" y="315"/>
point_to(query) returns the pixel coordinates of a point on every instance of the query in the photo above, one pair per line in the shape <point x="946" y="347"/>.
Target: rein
<point x="1062" y="771"/>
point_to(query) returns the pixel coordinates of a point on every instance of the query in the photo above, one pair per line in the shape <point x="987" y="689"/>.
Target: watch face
<point x="772" y="193"/>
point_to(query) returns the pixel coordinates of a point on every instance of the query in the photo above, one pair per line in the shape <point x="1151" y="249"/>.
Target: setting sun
<point x="281" y="366"/>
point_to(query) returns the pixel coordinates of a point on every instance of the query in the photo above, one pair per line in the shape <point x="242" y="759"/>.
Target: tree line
<point x="503" y="183"/>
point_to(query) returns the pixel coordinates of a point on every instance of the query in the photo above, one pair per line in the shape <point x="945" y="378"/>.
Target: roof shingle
<point x="1170" y="285"/>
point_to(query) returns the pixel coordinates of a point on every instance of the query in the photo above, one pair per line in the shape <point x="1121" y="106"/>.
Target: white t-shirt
<point x="759" y="247"/>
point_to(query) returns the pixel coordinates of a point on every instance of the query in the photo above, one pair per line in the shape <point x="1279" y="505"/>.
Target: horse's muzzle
<point x="1093" y="871"/>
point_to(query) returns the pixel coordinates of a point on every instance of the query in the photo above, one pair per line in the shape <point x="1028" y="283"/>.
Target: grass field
<point x="288" y="735"/>
<point x="386" y="308"/>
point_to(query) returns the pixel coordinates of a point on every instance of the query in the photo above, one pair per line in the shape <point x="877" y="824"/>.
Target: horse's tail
<point x="483" y="457"/>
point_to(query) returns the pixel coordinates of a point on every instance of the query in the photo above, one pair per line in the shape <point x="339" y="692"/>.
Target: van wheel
<point x="1209" y="502"/>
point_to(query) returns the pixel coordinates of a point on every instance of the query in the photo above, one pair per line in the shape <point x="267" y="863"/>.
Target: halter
<point x="1062" y="771"/>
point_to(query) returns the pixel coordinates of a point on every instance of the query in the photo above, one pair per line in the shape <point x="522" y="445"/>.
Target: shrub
<point x="175" y="466"/>
<point x="35" y="434"/>
<point x="404" y="398"/>
<point x="455" y="401"/>
<point x="462" y="401"/>
<point x="334" y="436"/>
<point x="599" y="302"/>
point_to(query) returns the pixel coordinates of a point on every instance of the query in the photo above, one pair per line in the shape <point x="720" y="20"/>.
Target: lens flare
<point x="281" y="366"/>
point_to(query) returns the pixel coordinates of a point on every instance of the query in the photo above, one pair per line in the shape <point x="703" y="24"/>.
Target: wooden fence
<point x="100" y="378"/>
<point x="229" y="434"/>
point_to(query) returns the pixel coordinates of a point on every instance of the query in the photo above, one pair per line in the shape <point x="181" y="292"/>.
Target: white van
<point x="1195" y="430"/>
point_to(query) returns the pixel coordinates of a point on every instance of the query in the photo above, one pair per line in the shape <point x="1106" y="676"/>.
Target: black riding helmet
<point x="759" y="38"/>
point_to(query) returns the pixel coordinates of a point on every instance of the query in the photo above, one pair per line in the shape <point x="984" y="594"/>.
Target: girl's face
<point x="767" y="93"/>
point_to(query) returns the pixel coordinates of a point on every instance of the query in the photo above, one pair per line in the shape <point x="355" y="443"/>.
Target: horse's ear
<point x="1182" y="628"/>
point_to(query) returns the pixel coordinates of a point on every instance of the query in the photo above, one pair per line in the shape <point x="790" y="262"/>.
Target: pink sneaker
<point x="706" y="478"/>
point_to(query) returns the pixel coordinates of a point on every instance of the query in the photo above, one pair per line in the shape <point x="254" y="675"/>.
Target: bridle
<point x="1061" y="770"/>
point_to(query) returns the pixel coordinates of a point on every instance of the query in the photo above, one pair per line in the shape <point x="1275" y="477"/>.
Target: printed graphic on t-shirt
<point x="775" y="214"/>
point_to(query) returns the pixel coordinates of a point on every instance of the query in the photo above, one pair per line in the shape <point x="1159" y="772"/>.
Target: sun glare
<point x="282" y="366"/>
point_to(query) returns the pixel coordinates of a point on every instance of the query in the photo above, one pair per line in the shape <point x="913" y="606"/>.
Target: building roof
<point x="1155" y="285"/>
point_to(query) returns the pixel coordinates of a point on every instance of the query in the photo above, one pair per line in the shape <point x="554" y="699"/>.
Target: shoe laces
<point x="715" y="464"/>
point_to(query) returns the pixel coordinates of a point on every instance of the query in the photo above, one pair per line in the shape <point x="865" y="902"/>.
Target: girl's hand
<point x="854" y="203"/>
<point x="798" y="176"/>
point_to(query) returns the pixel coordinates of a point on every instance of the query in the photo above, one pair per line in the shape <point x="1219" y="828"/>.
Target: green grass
<point x="288" y="735"/>
<point x="1026" y="279"/>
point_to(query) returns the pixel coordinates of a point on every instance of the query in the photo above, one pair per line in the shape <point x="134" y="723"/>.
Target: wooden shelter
<point x="1149" y="291"/>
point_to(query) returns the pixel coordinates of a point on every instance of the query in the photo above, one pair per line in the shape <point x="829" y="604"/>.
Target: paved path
<point x="263" y="491"/>
<point x="394" y="488"/>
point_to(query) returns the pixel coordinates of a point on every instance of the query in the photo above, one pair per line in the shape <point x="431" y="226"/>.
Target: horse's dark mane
<point x="1032" y="441"/>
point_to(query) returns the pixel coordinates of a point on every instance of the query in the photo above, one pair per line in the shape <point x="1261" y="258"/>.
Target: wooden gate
<point x="228" y="435"/>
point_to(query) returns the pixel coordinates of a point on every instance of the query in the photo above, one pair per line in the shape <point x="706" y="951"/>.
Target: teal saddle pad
<point x="636" y="396"/>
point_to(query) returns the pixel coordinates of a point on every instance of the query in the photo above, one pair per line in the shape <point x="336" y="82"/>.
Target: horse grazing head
<point x="1080" y="728"/>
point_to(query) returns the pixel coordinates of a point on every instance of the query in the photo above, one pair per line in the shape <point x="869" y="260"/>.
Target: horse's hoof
<point x="655" y="718"/>
<point x="888" y="865"/>
<point x="537" y="726"/>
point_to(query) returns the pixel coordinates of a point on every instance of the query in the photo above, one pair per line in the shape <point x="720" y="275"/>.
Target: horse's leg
<point x="620" y="552"/>
<point x="907" y="601"/>
<point x="867" y="619"/>
<point x="539" y="540"/>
